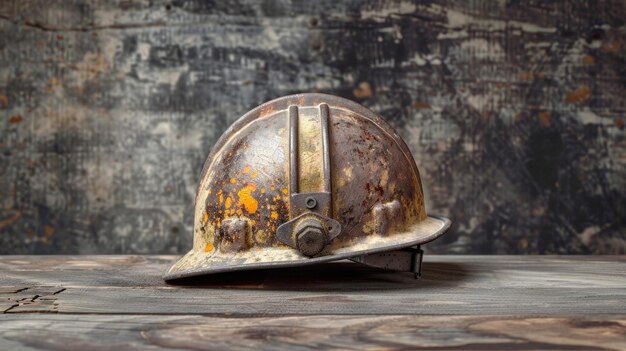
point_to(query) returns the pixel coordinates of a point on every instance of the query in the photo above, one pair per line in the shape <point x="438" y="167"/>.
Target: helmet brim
<point x="196" y="263"/>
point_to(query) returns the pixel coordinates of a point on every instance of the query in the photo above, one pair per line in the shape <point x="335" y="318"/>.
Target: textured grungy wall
<point x="514" y="110"/>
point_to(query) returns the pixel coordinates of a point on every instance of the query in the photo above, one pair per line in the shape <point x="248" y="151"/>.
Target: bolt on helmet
<point x="305" y="179"/>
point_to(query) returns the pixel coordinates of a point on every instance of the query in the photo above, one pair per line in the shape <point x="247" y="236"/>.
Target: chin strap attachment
<point x="404" y="260"/>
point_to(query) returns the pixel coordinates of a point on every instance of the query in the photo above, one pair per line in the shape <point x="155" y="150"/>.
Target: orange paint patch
<point x="274" y="215"/>
<point x="209" y="247"/>
<point x="221" y="198"/>
<point x="544" y="117"/>
<point x="579" y="95"/>
<point x="262" y="190"/>
<point x="246" y="169"/>
<point x="254" y="174"/>
<point x="233" y="181"/>
<point x="247" y="200"/>
<point x="272" y="187"/>
<point x="229" y="202"/>
<point x="285" y="191"/>
<point x="205" y="217"/>
<point x="15" y="119"/>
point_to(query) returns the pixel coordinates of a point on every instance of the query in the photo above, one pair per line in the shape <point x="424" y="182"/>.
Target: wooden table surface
<point x="461" y="302"/>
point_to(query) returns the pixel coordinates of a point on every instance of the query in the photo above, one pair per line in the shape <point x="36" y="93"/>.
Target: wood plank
<point x="251" y="302"/>
<point x="88" y="332"/>
<point x="439" y="270"/>
<point x="451" y="285"/>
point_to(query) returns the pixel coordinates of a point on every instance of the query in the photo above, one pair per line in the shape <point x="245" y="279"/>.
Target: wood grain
<point x="461" y="303"/>
<point x="114" y="332"/>
<point x="475" y="285"/>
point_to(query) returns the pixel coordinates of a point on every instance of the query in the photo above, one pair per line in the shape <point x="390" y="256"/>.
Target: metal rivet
<point x="311" y="202"/>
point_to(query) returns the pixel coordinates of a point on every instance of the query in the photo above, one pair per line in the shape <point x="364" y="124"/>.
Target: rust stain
<point x="612" y="46"/>
<point x="486" y="116"/>
<point x="229" y="202"/>
<point x="254" y="174"/>
<point x="523" y="243"/>
<point x="527" y="76"/>
<point x="363" y="91"/>
<point x="285" y="191"/>
<point x="209" y="247"/>
<point x="421" y="105"/>
<point x="267" y="111"/>
<point x="10" y="220"/>
<point x="247" y="200"/>
<point x="589" y="60"/>
<point x="544" y="117"/>
<point x="274" y="215"/>
<point x="619" y="123"/>
<point x="15" y="119"/>
<point x="233" y="181"/>
<point x="48" y="231"/>
<point x="205" y="218"/>
<point x="579" y="95"/>
<point x="4" y="100"/>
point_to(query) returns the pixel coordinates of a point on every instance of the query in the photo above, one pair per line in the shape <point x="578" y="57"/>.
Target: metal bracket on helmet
<point x="405" y="260"/>
<point x="311" y="227"/>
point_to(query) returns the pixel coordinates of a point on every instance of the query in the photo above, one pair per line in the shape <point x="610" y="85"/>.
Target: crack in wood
<point x="42" y="301"/>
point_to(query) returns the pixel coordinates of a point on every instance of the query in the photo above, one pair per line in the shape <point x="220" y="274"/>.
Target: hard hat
<point x="305" y="179"/>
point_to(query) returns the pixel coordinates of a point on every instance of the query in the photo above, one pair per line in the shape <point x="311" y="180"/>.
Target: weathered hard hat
<point x="305" y="179"/>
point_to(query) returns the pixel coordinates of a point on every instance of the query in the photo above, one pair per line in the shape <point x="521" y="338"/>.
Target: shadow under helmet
<point x="305" y="179"/>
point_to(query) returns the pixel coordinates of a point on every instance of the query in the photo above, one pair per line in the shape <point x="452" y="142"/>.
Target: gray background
<point x="514" y="110"/>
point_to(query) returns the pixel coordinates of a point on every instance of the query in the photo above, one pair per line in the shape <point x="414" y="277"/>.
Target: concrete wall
<point x="515" y="112"/>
